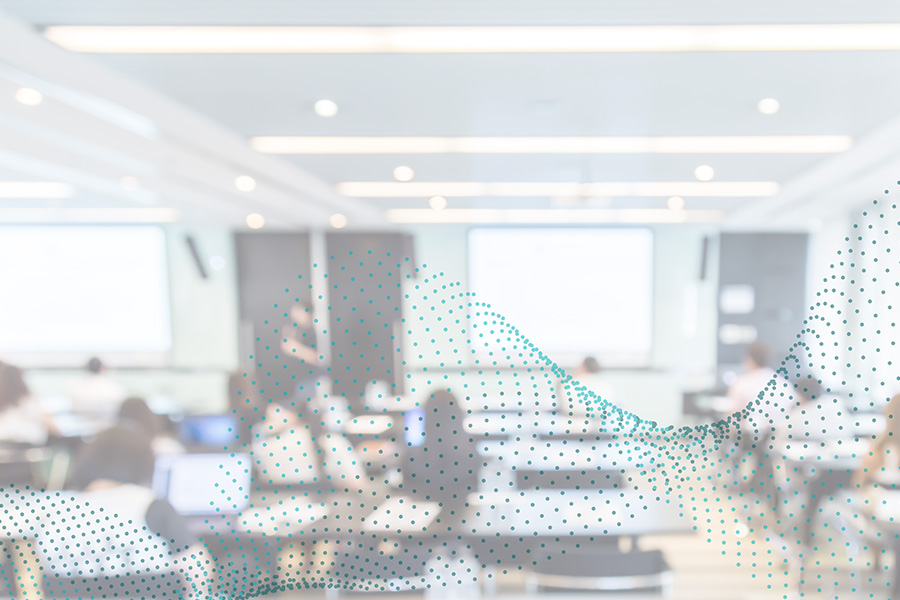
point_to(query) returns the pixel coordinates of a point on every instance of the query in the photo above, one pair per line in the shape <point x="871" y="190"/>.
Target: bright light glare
<point x="34" y="189"/>
<point x="675" y="202"/>
<point x="29" y="97"/>
<point x="326" y="108"/>
<point x="551" y="215"/>
<point x="404" y="173"/>
<point x="501" y="39"/>
<point x="255" y="221"/>
<point x="474" y="189"/>
<point x="704" y="173"/>
<point x="338" y="221"/>
<point x="768" y="106"/>
<point x="245" y="183"/>
<point x="437" y="202"/>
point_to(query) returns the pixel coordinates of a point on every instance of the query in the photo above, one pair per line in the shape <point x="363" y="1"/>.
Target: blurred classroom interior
<point x="286" y="269"/>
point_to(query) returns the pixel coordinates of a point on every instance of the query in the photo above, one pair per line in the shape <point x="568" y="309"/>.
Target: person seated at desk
<point x="135" y="413"/>
<point x="120" y="545"/>
<point x="587" y="375"/>
<point x="294" y="448"/>
<point x="442" y="464"/>
<point x="21" y="419"/>
<point x="878" y="478"/>
<point x="95" y="393"/>
<point x="756" y="377"/>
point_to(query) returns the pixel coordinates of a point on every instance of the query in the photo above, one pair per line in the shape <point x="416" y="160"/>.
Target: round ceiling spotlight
<point x="704" y="173"/>
<point x="675" y="202"/>
<point x="29" y="96"/>
<point x="325" y="108"/>
<point x="404" y="173"/>
<point x="245" y="183"/>
<point x="338" y="221"/>
<point x="437" y="202"/>
<point x="768" y="106"/>
<point x="255" y="221"/>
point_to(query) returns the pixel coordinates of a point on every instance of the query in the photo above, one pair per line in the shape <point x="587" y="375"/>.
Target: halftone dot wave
<point x="437" y="447"/>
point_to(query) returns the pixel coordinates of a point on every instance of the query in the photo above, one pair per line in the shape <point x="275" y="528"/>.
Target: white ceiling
<point x="636" y="94"/>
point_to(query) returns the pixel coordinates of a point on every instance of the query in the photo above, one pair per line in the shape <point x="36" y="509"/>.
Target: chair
<point x="603" y="570"/>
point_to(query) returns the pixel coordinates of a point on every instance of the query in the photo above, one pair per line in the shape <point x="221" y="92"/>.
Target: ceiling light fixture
<point x="551" y="215"/>
<point x="476" y="39"/>
<point x="29" y="96"/>
<point x="255" y="221"/>
<point x="326" y="108"/>
<point x="473" y="189"/>
<point x="768" y="106"/>
<point x="675" y="202"/>
<point x="723" y="144"/>
<point x="245" y="183"/>
<point x="35" y="189"/>
<point x="338" y="221"/>
<point x="704" y="173"/>
<point x="88" y="215"/>
<point x="404" y="173"/>
<point x="437" y="202"/>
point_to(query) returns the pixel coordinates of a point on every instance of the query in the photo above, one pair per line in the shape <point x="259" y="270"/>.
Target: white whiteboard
<point x="572" y="291"/>
<point x="71" y="291"/>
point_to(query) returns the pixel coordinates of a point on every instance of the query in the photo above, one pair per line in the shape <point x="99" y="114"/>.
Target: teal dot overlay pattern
<point x="471" y="454"/>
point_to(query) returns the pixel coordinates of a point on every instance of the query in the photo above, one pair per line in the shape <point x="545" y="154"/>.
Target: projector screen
<point x="71" y="292"/>
<point x="572" y="291"/>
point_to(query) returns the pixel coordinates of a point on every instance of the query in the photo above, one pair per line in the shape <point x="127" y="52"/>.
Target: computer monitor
<point x="414" y="427"/>
<point x="207" y="431"/>
<point x="201" y="484"/>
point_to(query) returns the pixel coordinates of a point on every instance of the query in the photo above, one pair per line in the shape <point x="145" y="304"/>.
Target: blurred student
<point x="299" y="343"/>
<point x="21" y="419"/>
<point x="756" y="376"/>
<point x="587" y="378"/>
<point x="95" y="393"/>
<point x="443" y="466"/>
<point x="879" y="473"/>
<point x="243" y="403"/>
<point x="135" y="413"/>
<point x="114" y="473"/>
<point x="294" y="448"/>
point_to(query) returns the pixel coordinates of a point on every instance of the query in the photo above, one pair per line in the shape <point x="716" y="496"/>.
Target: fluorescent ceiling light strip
<point x="458" y="189"/>
<point x="88" y="215"/>
<point x="35" y="189"/>
<point x="750" y="144"/>
<point x="339" y="40"/>
<point x="550" y="215"/>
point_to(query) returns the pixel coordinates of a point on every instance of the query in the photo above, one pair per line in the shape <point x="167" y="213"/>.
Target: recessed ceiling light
<point x="551" y="215"/>
<point x="326" y="108"/>
<point x="34" y="189"/>
<point x="29" y="96"/>
<point x="478" y="39"/>
<point x="255" y="221"/>
<point x="245" y="183"/>
<point x="130" y="183"/>
<point x="768" y="106"/>
<point x="338" y="221"/>
<point x="675" y="202"/>
<point x="612" y="189"/>
<point x="404" y="173"/>
<point x="217" y="263"/>
<point x="704" y="173"/>
<point x="437" y="202"/>
<point x="715" y="144"/>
